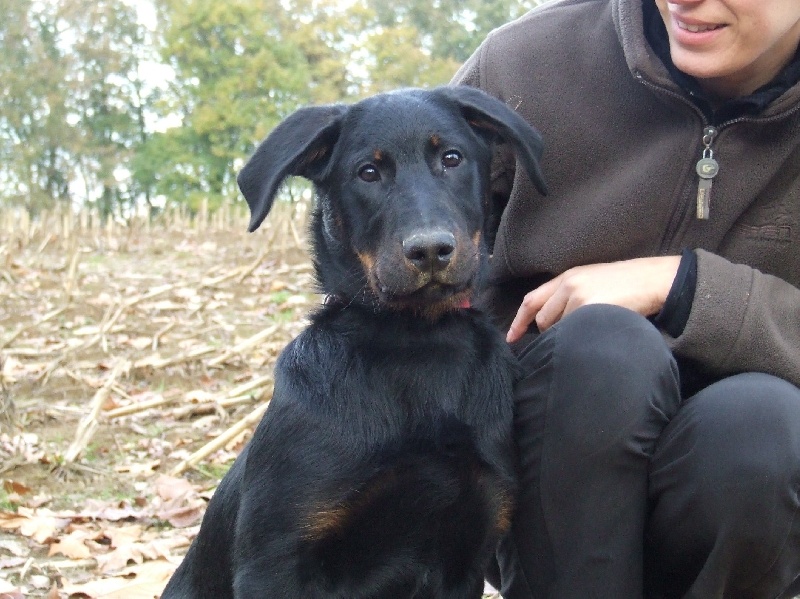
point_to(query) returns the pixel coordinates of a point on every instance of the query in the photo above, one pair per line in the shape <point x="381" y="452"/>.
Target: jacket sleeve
<point x="742" y="320"/>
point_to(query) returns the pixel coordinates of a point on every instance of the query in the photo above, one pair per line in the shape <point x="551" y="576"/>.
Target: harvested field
<point x="134" y="362"/>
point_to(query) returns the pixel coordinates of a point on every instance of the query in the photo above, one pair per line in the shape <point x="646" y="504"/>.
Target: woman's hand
<point x="641" y="285"/>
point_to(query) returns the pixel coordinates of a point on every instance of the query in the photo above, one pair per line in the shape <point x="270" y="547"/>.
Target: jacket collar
<point x="644" y="41"/>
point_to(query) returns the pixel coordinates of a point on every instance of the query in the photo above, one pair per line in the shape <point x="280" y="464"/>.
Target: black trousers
<point x="630" y="490"/>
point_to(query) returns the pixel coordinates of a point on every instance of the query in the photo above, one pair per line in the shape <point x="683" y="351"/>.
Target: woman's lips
<point x="693" y="31"/>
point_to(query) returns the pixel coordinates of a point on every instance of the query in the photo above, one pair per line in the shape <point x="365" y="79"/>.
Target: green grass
<point x="213" y="471"/>
<point x="279" y="297"/>
<point x="6" y="504"/>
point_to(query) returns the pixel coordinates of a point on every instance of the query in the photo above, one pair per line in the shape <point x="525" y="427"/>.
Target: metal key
<point x="707" y="168"/>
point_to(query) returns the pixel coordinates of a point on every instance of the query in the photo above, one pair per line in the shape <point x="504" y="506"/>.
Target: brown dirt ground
<point x="91" y="310"/>
<point x="73" y="309"/>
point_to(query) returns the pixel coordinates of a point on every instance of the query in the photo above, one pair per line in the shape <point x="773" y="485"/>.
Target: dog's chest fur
<point x="421" y="449"/>
<point x="397" y="373"/>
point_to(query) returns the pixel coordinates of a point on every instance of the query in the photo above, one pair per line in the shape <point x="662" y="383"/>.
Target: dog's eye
<point x="369" y="173"/>
<point x="451" y="159"/>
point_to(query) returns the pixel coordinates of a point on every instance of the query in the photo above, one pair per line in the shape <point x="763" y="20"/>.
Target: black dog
<point x="383" y="467"/>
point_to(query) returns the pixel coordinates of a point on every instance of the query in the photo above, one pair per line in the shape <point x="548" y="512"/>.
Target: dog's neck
<point x="335" y="300"/>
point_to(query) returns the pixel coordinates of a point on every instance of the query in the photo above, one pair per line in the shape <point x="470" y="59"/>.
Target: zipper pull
<point x="707" y="168"/>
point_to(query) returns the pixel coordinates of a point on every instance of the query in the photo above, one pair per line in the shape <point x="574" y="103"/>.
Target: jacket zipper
<point x="682" y="207"/>
<point x="710" y="134"/>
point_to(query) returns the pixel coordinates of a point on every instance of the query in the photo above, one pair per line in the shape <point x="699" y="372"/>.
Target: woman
<point x="653" y="297"/>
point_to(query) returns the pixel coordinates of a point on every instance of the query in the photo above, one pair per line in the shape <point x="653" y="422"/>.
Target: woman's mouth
<point x="696" y="28"/>
<point x="691" y="32"/>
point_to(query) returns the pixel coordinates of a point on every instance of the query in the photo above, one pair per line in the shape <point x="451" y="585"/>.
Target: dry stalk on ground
<point x="115" y="309"/>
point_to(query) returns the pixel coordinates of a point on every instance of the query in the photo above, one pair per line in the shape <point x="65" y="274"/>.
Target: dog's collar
<point x="334" y="300"/>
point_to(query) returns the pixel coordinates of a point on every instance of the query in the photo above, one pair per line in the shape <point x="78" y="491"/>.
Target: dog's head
<point x="402" y="183"/>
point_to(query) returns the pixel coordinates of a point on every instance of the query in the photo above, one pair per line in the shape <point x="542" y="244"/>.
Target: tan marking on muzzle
<point x="367" y="261"/>
<point x="368" y="264"/>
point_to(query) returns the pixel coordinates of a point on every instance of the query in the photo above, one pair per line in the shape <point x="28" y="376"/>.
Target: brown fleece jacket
<point x="621" y="144"/>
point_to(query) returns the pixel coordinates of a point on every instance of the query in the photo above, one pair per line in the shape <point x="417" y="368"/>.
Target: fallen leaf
<point x="181" y="517"/>
<point x="39" y="525"/>
<point x="139" y="468"/>
<point x="124" y="535"/>
<point x="12" y="486"/>
<point x="170" y="487"/>
<point x="72" y="545"/>
<point x="143" y="581"/>
<point x="95" y="509"/>
<point x="116" y="560"/>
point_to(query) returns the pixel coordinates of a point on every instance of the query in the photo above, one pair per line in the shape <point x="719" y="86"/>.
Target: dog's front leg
<point x="289" y="477"/>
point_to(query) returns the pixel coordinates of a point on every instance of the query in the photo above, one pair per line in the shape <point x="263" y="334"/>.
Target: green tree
<point x="323" y="33"/>
<point x="396" y="57"/>
<point x="242" y="66"/>
<point x="449" y="29"/>
<point x="78" y="115"/>
<point x="236" y="75"/>
<point x="102" y="38"/>
<point x="423" y="42"/>
<point x="34" y="135"/>
<point x="71" y="102"/>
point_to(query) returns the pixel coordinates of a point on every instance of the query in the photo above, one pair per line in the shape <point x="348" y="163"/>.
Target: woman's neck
<point x="719" y="90"/>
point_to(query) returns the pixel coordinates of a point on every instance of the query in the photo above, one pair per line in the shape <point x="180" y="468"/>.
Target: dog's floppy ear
<point x="490" y="116"/>
<point x="300" y="145"/>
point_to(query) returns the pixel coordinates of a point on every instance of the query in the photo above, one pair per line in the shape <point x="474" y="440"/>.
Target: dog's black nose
<point x="429" y="250"/>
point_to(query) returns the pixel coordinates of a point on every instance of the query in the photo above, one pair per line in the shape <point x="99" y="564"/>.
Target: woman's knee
<point x="725" y="480"/>
<point x="609" y="375"/>
<point x="600" y="336"/>
<point x="739" y="434"/>
<point x="746" y="428"/>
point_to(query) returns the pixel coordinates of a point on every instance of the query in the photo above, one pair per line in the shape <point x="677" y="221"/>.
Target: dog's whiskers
<point x="352" y="299"/>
